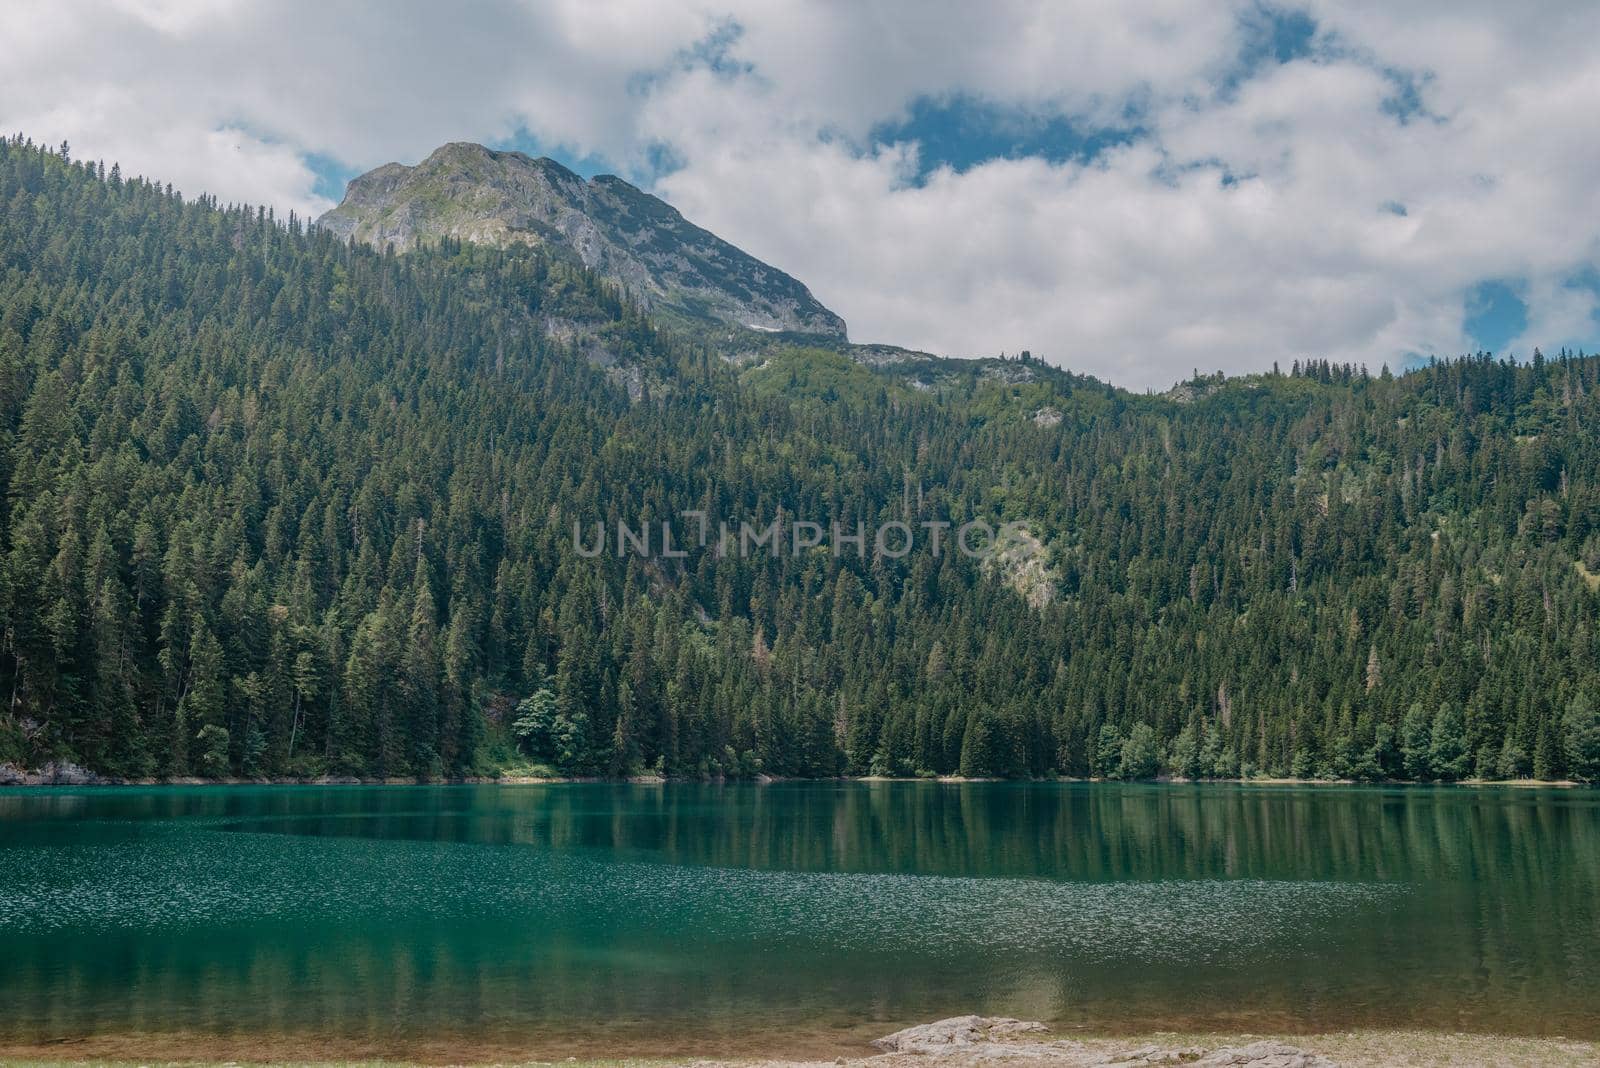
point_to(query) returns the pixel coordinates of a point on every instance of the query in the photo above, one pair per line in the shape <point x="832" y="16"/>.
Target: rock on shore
<point x="981" y="1039"/>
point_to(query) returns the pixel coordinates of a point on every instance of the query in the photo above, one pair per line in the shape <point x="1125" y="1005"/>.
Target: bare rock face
<point x="1021" y="560"/>
<point x="659" y="258"/>
<point x="967" y="1040"/>
<point x="1047" y="417"/>
<point x="55" y="773"/>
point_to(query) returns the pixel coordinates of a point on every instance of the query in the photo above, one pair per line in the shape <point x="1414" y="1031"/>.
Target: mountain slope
<point x="272" y="503"/>
<point x="660" y="259"/>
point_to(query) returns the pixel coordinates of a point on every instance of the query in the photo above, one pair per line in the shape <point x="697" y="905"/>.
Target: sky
<point x="1136" y="189"/>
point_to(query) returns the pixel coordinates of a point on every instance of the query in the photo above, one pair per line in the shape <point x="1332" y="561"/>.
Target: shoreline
<point x="929" y="1044"/>
<point x="74" y="776"/>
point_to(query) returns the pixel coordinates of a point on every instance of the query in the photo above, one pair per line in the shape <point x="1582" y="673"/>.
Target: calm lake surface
<point x="789" y="917"/>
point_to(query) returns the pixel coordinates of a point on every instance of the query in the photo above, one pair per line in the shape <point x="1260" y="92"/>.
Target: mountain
<point x="659" y="258"/>
<point x="275" y="503"/>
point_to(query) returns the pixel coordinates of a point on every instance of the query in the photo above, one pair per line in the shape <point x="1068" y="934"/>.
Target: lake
<point x="793" y="918"/>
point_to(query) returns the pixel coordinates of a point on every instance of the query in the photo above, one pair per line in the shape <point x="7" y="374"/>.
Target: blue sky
<point x="1132" y="189"/>
<point x="961" y="132"/>
<point x="1496" y="314"/>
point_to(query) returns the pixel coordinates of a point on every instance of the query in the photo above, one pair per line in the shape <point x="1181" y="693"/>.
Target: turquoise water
<point x="634" y="918"/>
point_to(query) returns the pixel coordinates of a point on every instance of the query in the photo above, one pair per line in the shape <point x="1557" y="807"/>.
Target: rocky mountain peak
<point x="668" y="264"/>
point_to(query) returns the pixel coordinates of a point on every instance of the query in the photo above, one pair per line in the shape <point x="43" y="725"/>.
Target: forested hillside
<point x="278" y="505"/>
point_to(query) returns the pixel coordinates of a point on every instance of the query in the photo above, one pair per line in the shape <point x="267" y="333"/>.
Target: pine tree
<point x="1448" y="756"/>
<point x="1108" y="752"/>
<point x="1581" y="738"/>
<point x="1416" y="743"/>
<point x="1139" y="759"/>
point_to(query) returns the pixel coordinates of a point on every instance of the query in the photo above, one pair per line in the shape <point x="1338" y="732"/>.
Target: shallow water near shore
<point x="786" y="919"/>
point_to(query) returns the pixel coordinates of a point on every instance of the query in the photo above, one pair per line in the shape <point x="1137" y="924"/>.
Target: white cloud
<point x="1137" y="266"/>
<point x="151" y="82"/>
<point x="847" y="66"/>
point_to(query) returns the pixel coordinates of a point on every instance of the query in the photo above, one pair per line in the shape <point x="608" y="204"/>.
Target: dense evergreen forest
<point x="279" y="505"/>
